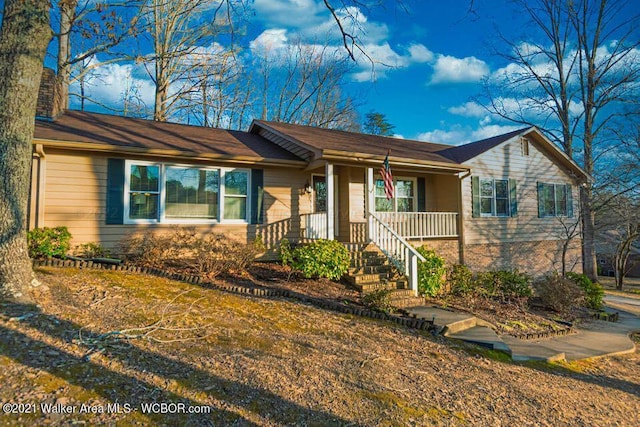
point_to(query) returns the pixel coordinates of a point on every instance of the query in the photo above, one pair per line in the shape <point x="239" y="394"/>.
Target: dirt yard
<point x="145" y="350"/>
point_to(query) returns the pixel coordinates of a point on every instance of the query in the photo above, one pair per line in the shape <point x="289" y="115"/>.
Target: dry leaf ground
<point x="253" y="361"/>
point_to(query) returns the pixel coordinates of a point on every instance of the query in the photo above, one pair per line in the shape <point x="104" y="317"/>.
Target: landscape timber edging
<point x="413" y="322"/>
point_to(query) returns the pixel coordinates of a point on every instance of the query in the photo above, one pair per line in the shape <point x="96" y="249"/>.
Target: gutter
<point x="106" y="148"/>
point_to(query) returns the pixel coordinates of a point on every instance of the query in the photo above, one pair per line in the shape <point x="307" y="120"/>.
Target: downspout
<point x="39" y="185"/>
<point x="461" y="243"/>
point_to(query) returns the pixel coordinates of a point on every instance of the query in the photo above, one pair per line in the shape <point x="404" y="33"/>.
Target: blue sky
<point x="431" y="58"/>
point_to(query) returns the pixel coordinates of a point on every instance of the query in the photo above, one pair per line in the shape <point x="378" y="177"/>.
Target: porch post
<point x="370" y="205"/>
<point x="330" y="201"/>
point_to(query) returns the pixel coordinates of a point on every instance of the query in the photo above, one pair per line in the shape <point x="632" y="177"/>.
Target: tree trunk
<point x="67" y="16"/>
<point x="23" y="41"/>
<point x="589" y="265"/>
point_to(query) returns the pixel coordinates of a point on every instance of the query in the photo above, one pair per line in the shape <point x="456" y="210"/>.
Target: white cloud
<point x="107" y="84"/>
<point x="468" y="109"/>
<point x="449" y="69"/>
<point x="270" y="40"/>
<point x="458" y="135"/>
<point x="419" y="53"/>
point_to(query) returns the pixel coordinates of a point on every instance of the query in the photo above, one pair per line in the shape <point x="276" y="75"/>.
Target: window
<point x="144" y="191"/>
<point x="403" y="200"/>
<point x="191" y="193"/>
<point x="494" y="197"/>
<point x="175" y="193"/>
<point x="236" y="185"/>
<point x="554" y="200"/>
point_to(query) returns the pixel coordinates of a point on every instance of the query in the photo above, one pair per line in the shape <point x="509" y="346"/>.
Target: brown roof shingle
<point x="126" y="132"/>
<point x="350" y="142"/>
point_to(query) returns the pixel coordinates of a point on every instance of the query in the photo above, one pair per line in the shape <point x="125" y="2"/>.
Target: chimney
<point x="48" y="106"/>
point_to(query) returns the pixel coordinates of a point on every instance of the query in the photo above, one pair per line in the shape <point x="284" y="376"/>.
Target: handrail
<point x="404" y="256"/>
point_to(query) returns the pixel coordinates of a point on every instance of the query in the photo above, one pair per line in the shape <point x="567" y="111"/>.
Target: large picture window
<point x="554" y="200"/>
<point x="404" y="196"/>
<point x="159" y="192"/>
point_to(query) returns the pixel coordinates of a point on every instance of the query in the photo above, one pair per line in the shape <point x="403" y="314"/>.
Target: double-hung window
<point x="494" y="197"/>
<point x="160" y="192"/>
<point x="404" y="196"/>
<point x="554" y="200"/>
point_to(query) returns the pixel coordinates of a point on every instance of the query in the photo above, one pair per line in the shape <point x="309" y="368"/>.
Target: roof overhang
<point x="364" y="159"/>
<point x="175" y="154"/>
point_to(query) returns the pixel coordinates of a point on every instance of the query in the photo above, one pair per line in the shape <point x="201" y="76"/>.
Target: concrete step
<point x="370" y="269"/>
<point x="361" y="262"/>
<point x="387" y="284"/>
<point x="407" y="302"/>
<point x="360" y="279"/>
<point x="482" y="336"/>
<point x="401" y="293"/>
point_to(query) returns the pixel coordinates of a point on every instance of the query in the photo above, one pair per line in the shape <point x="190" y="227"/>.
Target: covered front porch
<point x="348" y="203"/>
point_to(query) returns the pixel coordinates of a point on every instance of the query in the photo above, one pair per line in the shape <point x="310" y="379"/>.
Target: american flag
<point x="387" y="177"/>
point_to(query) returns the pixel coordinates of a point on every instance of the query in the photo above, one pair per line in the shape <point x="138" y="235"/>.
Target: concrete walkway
<point x="594" y="339"/>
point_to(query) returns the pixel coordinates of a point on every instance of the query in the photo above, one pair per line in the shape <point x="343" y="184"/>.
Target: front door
<point x="320" y="199"/>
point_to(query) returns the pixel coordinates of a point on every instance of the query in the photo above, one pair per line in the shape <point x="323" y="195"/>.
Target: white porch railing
<point x="314" y="225"/>
<point x="420" y="225"/>
<point x="404" y="256"/>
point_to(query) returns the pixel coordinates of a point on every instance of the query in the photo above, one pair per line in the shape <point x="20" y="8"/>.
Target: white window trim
<point x="414" y="181"/>
<point x="162" y="195"/>
<point x="494" y="213"/>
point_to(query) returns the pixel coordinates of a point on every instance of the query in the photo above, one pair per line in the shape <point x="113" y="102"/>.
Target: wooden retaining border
<point x="413" y="322"/>
<point x="543" y="334"/>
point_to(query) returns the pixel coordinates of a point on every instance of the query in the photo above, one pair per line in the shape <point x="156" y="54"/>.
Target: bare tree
<point x="579" y="66"/>
<point x="85" y="29"/>
<point x="24" y="37"/>
<point x="303" y="84"/>
<point x="181" y="31"/>
<point x="619" y="232"/>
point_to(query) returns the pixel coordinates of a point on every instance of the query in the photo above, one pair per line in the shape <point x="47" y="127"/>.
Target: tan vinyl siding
<point x="508" y="162"/>
<point x="76" y="192"/>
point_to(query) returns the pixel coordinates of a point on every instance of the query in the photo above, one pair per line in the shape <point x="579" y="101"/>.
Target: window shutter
<point x="513" y="197"/>
<point x="475" y="196"/>
<point x="422" y="195"/>
<point x="115" y="191"/>
<point x="540" y="201"/>
<point x="257" y="195"/>
<point x="569" y="202"/>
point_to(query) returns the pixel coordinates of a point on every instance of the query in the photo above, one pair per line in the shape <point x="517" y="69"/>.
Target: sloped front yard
<point x="260" y="361"/>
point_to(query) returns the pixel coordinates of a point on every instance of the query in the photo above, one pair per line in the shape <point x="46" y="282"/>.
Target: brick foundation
<point x="447" y="249"/>
<point x="535" y="258"/>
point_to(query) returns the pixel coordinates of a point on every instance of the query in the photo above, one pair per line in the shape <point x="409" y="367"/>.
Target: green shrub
<point x="460" y="280"/>
<point x="285" y="252"/>
<point x="431" y="272"/>
<point x="48" y="242"/>
<point x="559" y="293"/>
<point x="504" y="285"/>
<point x="379" y="300"/>
<point x="321" y="258"/>
<point x="593" y="292"/>
<point x="91" y="250"/>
